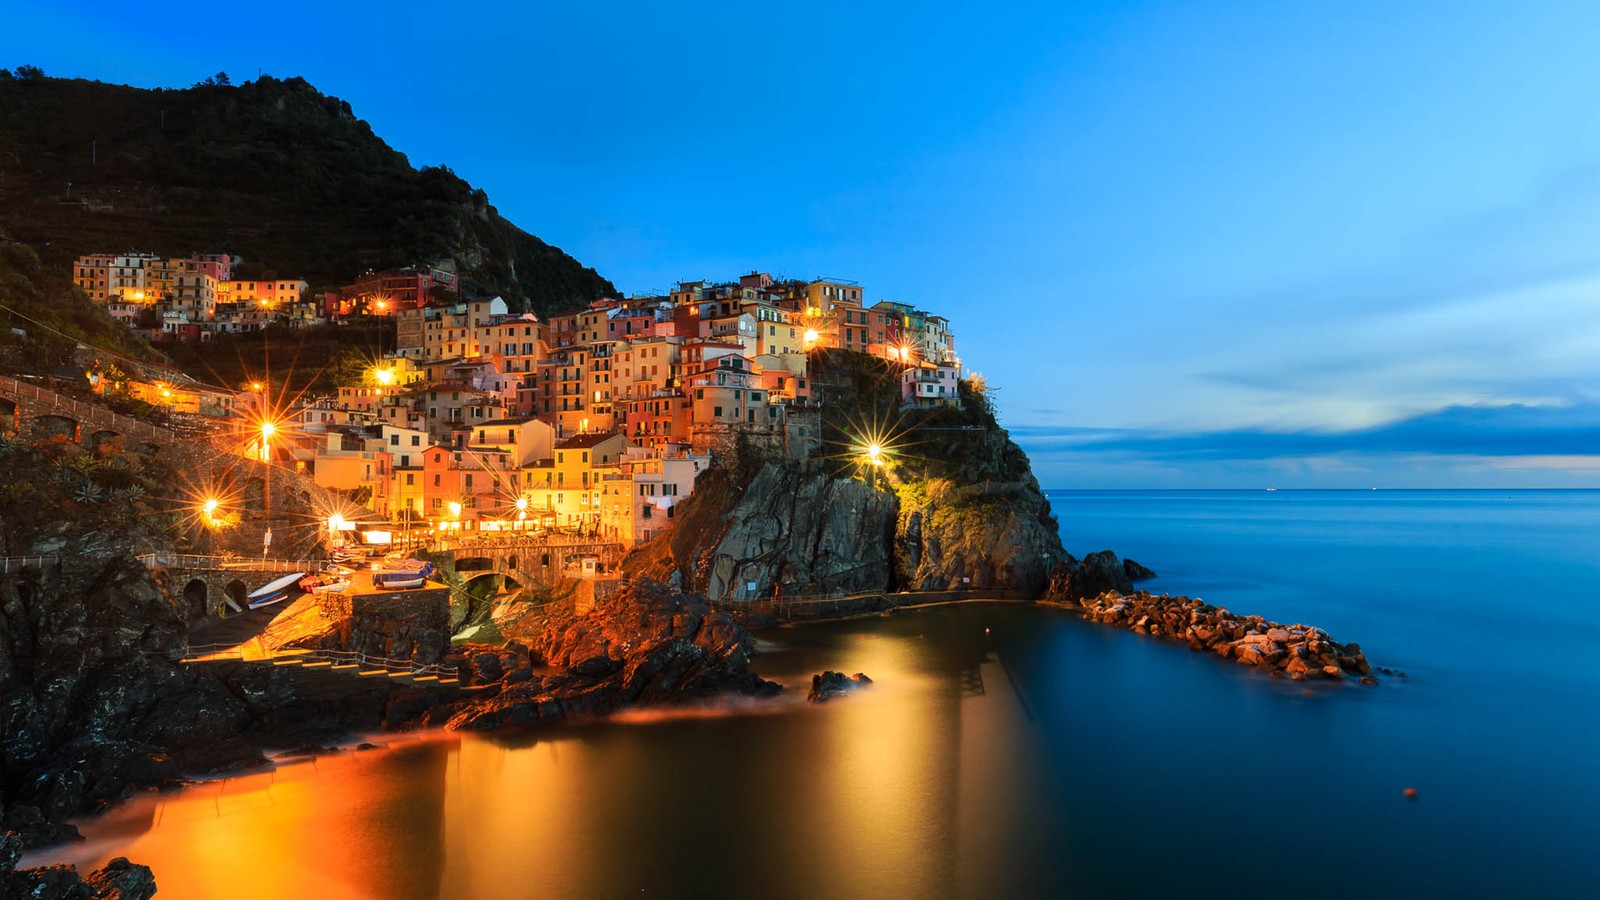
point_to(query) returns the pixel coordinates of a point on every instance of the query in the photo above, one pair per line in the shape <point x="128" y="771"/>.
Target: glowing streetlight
<point x="268" y="429"/>
<point x="383" y="376"/>
<point x="256" y="386"/>
<point x="875" y="454"/>
<point x="811" y="337"/>
<point x="455" y="510"/>
<point x="522" y="504"/>
<point x="208" y="511"/>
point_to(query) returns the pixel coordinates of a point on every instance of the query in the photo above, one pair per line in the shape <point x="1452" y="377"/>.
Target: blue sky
<point x="1194" y="244"/>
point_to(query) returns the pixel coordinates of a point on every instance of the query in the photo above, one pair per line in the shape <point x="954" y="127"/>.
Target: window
<point x="410" y="479"/>
<point x="716" y="411"/>
<point x="436" y="480"/>
<point x="394" y="440"/>
<point x="585" y="456"/>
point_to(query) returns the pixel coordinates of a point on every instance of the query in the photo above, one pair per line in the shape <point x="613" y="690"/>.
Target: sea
<point x="1006" y="750"/>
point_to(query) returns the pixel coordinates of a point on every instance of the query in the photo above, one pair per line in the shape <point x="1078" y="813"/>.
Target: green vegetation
<point x="861" y="401"/>
<point x="53" y="315"/>
<point x="59" y="488"/>
<point x="290" y="360"/>
<point x="270" y="169"/>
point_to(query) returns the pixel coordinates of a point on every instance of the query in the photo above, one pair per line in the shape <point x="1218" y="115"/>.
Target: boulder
<point x="829" y="684"/>
<point x="1136" y="572"/>
<point x="122" y="880"/>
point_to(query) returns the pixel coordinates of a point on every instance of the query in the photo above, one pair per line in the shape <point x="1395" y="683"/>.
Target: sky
<point x="1192" y="245"/>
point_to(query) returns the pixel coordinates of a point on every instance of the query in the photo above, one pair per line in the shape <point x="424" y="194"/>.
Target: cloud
<point x="1486" y="432"/>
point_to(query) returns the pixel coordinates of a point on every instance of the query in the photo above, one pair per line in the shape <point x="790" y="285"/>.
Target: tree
<point x="222" y="80"/>
<point x="29" y="73"/>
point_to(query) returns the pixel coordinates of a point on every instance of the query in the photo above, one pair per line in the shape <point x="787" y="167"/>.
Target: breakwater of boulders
<point x="1296" y="651"/>
<point x="1102" y="586"/>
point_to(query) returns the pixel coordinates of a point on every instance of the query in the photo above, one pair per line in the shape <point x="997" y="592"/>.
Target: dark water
<point x="1018" y="752"/>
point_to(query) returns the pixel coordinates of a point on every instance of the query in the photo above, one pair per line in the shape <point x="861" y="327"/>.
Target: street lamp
<point x="267" y="430"/>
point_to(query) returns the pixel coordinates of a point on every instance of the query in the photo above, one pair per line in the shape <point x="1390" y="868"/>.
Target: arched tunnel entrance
<point x="194" y="599"/>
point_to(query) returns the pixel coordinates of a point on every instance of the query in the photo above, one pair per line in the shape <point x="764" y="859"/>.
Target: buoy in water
<point x="1411" y="793"/>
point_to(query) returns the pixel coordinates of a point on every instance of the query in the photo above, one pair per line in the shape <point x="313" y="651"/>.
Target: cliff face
<point x="991" y="534"/>
<point x="955" y="507"/>
<point x="784" y="530"/>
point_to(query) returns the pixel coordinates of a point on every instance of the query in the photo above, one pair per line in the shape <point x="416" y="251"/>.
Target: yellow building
<point x="568" y="488"/>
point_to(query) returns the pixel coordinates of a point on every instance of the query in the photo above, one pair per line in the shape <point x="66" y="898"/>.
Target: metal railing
<point x="18" y="563"/>
<point x="363" y="662"/>
<point x="85" y="413"/>
<point x="221" y="563"/>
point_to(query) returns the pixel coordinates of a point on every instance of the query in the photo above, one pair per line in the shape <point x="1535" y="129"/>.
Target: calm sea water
<point x="1009" y="751"/>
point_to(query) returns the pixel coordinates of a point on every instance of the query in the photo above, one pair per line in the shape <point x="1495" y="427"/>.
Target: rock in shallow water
<point x="829" y="684"/>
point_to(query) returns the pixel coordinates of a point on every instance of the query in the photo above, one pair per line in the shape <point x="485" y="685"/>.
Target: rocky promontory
<point x="1101" y="586"/>
<point x="645" y="644"/>
<point x="951" y="505"/>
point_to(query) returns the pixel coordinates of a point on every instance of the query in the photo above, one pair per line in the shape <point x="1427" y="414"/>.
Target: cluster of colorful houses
<point x="194" y="298"/>
<point x="596" y="420"/>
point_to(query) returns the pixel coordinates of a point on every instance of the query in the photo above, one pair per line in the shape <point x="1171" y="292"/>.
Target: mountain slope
<point x="271" y="169"/>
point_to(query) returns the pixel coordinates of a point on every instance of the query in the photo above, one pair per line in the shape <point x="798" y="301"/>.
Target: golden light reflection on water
<point x="894" y="791"/>
<point x="334" y="828"/>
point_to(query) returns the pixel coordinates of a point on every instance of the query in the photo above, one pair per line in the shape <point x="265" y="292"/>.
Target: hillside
<point x="43" y="316"/>
<point x="271" y="169"/>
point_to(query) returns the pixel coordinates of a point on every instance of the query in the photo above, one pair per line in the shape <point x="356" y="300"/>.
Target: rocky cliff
<point x="954" y="506"/>
<point x="647" y="644"/>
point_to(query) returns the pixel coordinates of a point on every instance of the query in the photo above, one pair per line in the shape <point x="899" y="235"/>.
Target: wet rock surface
<point x="830" y="684"/>
<point x="646" y="644"/>
<point x="117" y="880"/>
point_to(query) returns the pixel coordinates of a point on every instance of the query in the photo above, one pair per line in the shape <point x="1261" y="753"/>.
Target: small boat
<point x="398" y="581"/>
<point x="409" y="573"/>
<point x="274" y="592"/>
<point x="326" y="586"/>
<point x="336" y="569"/>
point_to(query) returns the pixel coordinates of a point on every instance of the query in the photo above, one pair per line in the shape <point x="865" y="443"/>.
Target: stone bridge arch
<point x="105" y="442"/>
<point x="10" y="423"/>
<point x="50" y="426"/>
